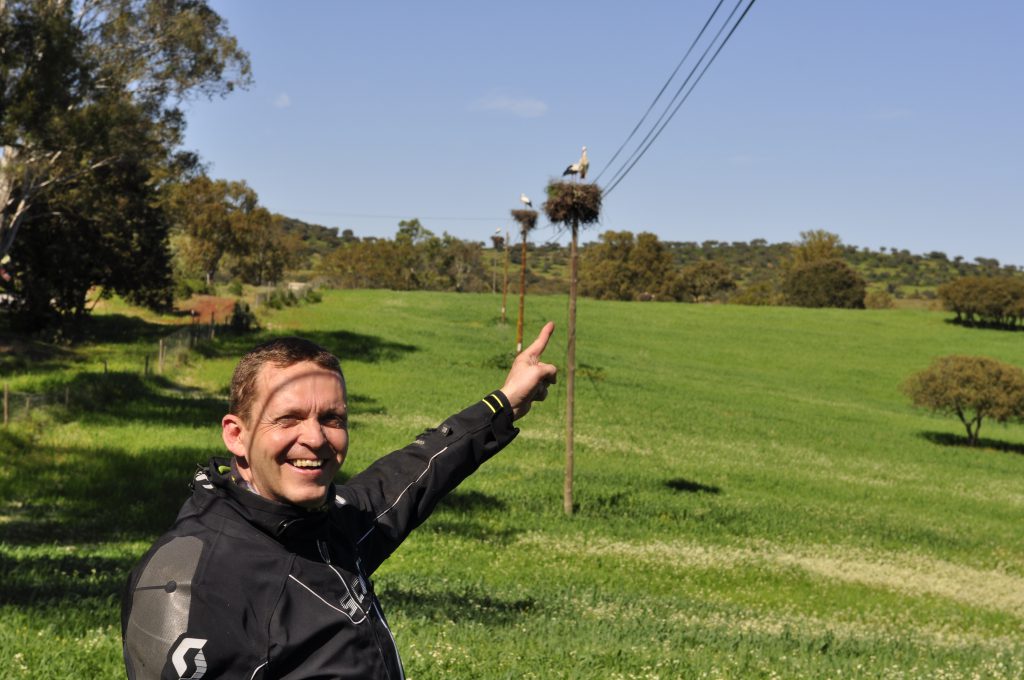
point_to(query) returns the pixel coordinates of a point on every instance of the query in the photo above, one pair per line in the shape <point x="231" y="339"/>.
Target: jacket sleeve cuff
<point x="500" y="409"/>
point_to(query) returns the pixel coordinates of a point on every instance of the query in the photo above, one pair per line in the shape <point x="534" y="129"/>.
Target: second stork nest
<point x="573" y="202"/>
<point x="527" y="219"/>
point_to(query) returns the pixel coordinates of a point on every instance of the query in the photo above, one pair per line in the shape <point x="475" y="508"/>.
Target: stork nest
<point x="573" y="203"/>
<point x="527" y="219"/>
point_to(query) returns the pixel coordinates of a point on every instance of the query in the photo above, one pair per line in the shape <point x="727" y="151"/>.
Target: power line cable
<point x="669" y="111"/>
<point x="328" y="213"/>
<point x="672" y="115"/>
<point x="662" y="91"/>
<point x="675" y="97"/>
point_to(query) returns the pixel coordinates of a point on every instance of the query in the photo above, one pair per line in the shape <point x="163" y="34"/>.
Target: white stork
<point x="525" y="200"/>
<point x="579" y="167"/>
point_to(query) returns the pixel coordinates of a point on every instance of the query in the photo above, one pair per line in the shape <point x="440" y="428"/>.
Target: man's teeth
<point x="307" y="463"/>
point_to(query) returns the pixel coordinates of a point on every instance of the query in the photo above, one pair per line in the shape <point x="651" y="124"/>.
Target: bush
<point x="280" y="298"/>
<point x="990" y="300"/>
<point x="186" y="288"/>
<point x="971" y="388"/>
<point x="243" y="319"/>
<point x="878" y="299"/>
<point x="824" y="283"/>
<point x="759" y="293"/>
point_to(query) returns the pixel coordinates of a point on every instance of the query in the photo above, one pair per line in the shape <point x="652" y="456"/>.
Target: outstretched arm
<point x="529" y="377"/>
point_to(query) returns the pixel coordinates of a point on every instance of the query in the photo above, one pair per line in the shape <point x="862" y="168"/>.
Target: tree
<point x="605" y="272"/>
<point x="623" y="267"/>
<point x="104" y="229"/>
<point x="262" y="248"/>
<point x="815" y="246"/>
<point x="701" y="281"/>
<point x="993" y="300"/>
<point x="971" y="388"/>
<point x="61" y="60"/>
<point x="824" y="283"/>
<point x="651" y="266"/>
<point x="202" y="213"/>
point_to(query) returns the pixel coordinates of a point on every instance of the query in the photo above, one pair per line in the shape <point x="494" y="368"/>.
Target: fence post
<point x="145" y="366"/>
<point x="213" y="322"/>
<point x="28" y="405"/>
<point x="104" y="367"/>
<point x="160" y="358"/>
<point x="7" y="397"/>
<point x="67" y="396"/>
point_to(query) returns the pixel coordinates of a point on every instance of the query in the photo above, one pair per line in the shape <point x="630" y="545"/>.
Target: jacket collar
<point x="272" y="518"/>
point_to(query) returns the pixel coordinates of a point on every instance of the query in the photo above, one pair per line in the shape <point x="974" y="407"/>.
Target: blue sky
<point x="891" y="123"/>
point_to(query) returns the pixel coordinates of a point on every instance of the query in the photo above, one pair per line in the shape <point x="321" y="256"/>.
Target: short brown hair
<point x="279" y="352"/>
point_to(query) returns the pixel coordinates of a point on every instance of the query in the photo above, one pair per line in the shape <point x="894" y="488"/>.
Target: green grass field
<point x="755" y="496"/>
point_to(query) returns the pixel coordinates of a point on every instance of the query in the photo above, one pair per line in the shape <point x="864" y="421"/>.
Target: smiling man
<point x="266" y="571"/>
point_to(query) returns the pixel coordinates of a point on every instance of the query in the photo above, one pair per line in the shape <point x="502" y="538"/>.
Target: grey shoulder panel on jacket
<point x="161" y="601"/>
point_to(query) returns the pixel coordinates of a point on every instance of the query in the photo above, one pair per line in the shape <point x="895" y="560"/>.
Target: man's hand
<point x="529" y="378"/>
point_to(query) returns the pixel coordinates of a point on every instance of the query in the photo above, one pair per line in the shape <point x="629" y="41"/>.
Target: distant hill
<point x="900" y="272"/>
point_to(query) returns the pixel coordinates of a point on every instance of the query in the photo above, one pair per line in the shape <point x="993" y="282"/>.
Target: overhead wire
<point x="661" y="91"/>
<point x="664" y="117"/>
<point x="660" y="125"/>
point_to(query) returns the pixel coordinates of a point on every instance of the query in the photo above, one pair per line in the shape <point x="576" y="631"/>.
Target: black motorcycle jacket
<point x="245" y="587"/>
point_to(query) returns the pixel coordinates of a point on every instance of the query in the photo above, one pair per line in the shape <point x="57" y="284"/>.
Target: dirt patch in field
<point x="205" y="305"/>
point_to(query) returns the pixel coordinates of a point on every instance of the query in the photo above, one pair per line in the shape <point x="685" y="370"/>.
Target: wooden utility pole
<point x="504" y="287"/>
<point x="522" y="297"/>
<point x="527" y="220"/>
<point x="570" y="375"/>
<point x="573" y="205"/>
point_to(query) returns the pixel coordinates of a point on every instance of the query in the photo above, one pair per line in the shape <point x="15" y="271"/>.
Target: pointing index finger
<point x="537" y="348"/>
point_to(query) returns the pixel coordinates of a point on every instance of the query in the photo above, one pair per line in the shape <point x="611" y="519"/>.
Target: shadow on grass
<point x="689" y="486"/>
<point x="115" y="396"/>
<point x="947" y="439"/>
<point x="343" y="344"/>
<point x="121" y="328"/>
<point x="41" y="580"/>
<point x="457" y="606"/>
<point x="465" y="514"/>
<point x="18" y="354"/>
<point x="470" y="501"/>
<point x="76" y="495"/>
<point x="104" y="398"/>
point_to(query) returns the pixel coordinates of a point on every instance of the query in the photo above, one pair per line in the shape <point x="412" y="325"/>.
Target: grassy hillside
<point x="756" y="498"/>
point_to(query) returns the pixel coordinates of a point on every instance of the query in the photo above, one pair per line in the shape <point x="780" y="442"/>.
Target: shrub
<point x="242" y="318"/>
<point x="878" y="299"/>
<point x="759" y="293"/>
<point x="824" y="283"/>
<point x="971" y="388"/>
<point x="991" y="300"/>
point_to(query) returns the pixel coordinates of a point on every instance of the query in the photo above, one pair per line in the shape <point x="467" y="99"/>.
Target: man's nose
<point x="312" y="434"/>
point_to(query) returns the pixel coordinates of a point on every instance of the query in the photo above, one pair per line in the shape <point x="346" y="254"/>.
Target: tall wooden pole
<point x="522" y="297"/>
<point x="504" y="287"/>
<point x="570" y="375"/>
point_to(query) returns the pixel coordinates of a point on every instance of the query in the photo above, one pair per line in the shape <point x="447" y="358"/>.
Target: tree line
<point x="91" y="128"/>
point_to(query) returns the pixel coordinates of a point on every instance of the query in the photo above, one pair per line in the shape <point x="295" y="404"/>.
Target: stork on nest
<point x="525" y="200"/>
<point x="579" y="167"/>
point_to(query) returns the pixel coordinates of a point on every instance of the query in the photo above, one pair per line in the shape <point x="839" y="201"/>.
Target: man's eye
<point x="287" y="421"/>
<point x="334" y="421"/>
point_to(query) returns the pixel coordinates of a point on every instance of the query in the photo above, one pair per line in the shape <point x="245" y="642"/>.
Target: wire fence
<point x="171" y="350"/>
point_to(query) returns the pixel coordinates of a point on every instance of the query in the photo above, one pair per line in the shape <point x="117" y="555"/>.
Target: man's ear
<point x="233" y="432"/>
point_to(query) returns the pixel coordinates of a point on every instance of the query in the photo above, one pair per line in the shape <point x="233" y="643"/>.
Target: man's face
<point x="296" y="436"/>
